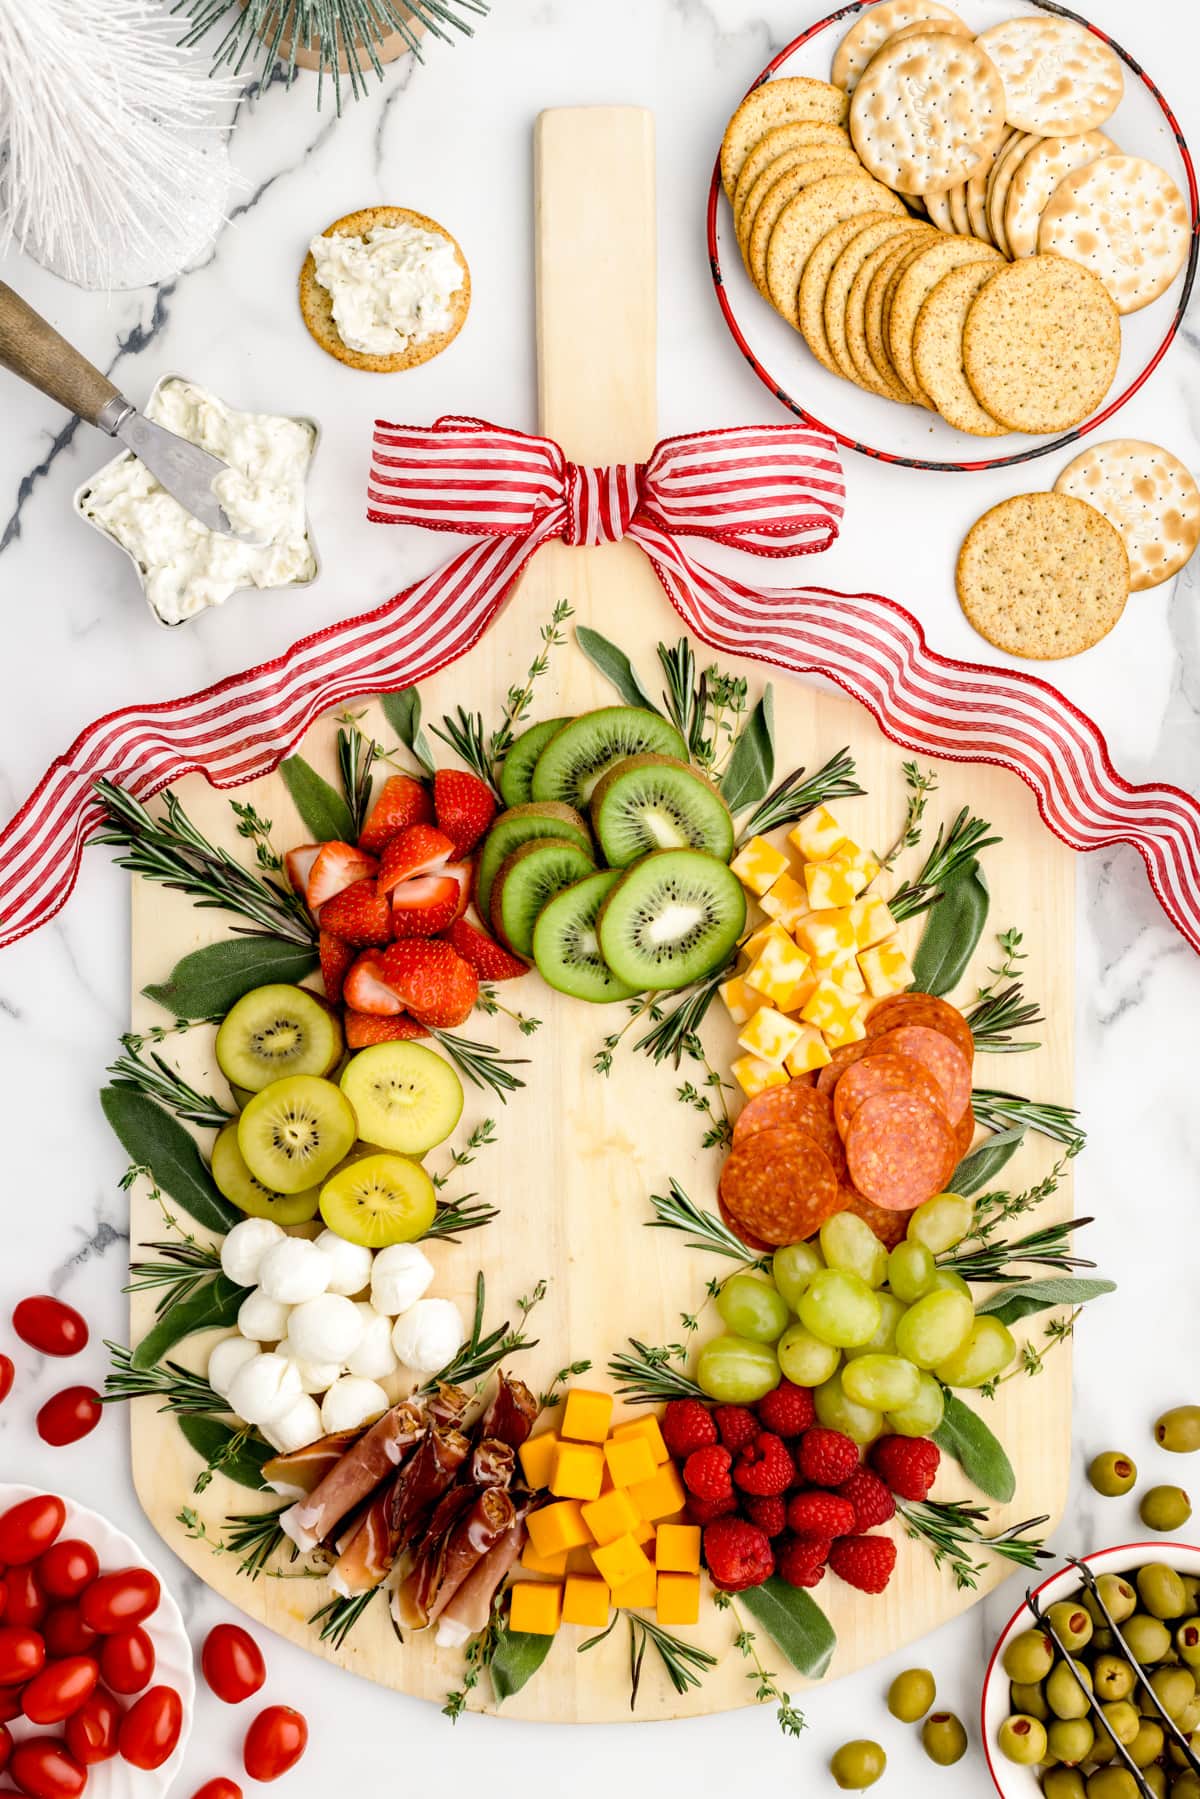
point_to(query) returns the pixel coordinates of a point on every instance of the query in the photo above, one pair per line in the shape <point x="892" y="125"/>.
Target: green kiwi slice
<point x="528" y="880"/>
<point x="577" y="756"/>
<point x="516" y="777"/>
<point x="672" y="918"/>
<point x="566" y="948"/>
<point x="653" y="802"/>
<point x="520" y="824"/>
<point x="235" y="1181"/>
<point x="276" y="1031"/>
<point x="295" y="1131"/>
<point x="404" y="1096"/>
<point x="379" y="1200"/>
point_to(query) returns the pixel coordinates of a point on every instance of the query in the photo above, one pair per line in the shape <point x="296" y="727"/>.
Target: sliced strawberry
<point x="438" y="987"/>
<point x="418" y="850"/>
<point x="424" y="906"/>
<point x="490" y="960"/>
<point x="365" y="1028"/>
<point x="402" y="801"/>
<point x="360" y="915"/>
<point x="366" y="990"/>
<point x="464" y="807"/>
<point x="298" y="864"/>
<point x="337" y="867"/>
<point x="336" y="958"/>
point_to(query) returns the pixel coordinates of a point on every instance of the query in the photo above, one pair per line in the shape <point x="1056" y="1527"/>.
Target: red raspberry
<point x="820" y="1515"/>
<point x="706" y="1473"/>
<point x="768" y="1511"/>
<point x="764" y="1466"/>
<point x="737" y="1426"/>
<point x="871" y="1498"/>
<point x="737" y="1555"/>
<point x="703" y="1511"/>
<point x="687" y="1425"/>
<point x="825" y="1457"/>
<point x="787" y="1410"/>
<point x="864" y="1562"/>
<point x="802" y="1561"/>
<point x="908" y="1464"/>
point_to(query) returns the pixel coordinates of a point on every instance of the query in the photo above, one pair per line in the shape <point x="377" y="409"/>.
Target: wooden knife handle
<point x="33" y="349"/>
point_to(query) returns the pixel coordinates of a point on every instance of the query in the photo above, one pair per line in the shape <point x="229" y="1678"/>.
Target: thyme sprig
<point x="478" y="1657"/>
<point x="996" y="1015"/>
<point x="182" y="1393"/>
<point x="997" y="1111"/>
<point x="675" y="1211"/>
<point x="464" y="731"/>
<point x="183" y="1267"/>
<point x="767" y="1690"/>
<point x="1032" y="1359"/>
<point x="339" y="1615"/>
<point x="1000" y="1206"/>
<point x="706" y="1099"/>
<point x="1000" y="1260"/>
<point x="257" y="830"/>
<point x="647" y="1374"/>
<point x="553" y="1392"/>
<point x="483" y="1351"/>
<point x="483" y="1063"/>
<point x="159" y="1081"/>
<point x="794" y="797"/>
<point x="489" y="1005"/>
<point x="255" y="1536"/>
<point x="965" y="839"/>
<point x="953" y="1529"/>
<point x="920" y="786"/>
<point x="483" y="1135"/>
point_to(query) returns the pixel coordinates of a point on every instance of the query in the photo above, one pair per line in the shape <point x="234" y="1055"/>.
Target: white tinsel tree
<point x="113" y="167"/>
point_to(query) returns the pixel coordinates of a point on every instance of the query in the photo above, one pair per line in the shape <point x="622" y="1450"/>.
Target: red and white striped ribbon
<point x="770" y="490"/>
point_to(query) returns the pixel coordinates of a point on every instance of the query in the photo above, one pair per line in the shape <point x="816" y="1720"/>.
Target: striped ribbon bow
<point x="769" y="490"/>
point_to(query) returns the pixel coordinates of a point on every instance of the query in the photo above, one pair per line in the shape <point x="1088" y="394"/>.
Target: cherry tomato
<point x="233" y="1663"/>
<point x="26" y="1603"/>
<point x="7" y="1373"/>
<point x="127" y="1660"/>
<point x="44" y="1768"/>
<point x="274" y="1742"/>
<point x="10" y="1704"/>
<point x="116" y="1601"/>
<point x="65" y="1632"/>
<point x="60" y="1689"/>
<point x="3" y="1599"/>
<point x="220" y="1788"/>
<point x="28" y="1529"/>
<point x="150" y="1728"/>
<point x="67" y="1568"/>
<point x="93" y="1730"/>
<point x="47" y="1324"/>
<point x="22" y="1655"/>
<point x="6" y="1743"/>
<point x="68" y="1416"/>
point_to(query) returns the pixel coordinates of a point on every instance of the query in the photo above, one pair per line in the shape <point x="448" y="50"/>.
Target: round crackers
<point x="873" y="28"/>
<point x="1041" y="344"/>
<point x="1035" y="178"/>
<point x="316" y="302"/>
<point x="773" y="103"/>
<point x="803" y="223"/>
<point x="977" y="188"/>
<point x="1059" y="78"/>
<point x="842" y="278"/>
<point x="927" y="112"/>
<point x="937" y="355"/>
<point x="1001" y="174"/>
<point x="1148" y="495"/>
<point x="801" y="134"/>
<point x="801" y="170"/>
<point x="1043" y="575"/>
<point x="810" y="310"/>
<point x="1124" y="219"/>
<point x="869" y="287"/>
<point x="922" y="271"/>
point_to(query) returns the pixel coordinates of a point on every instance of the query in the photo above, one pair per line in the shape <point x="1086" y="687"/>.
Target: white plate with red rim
<point x="118" y="1779"/>
<point x="1010" y="1780"/>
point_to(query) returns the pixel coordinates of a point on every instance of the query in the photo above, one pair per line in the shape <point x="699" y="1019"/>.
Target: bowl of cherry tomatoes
<point x="96" y="1685"/>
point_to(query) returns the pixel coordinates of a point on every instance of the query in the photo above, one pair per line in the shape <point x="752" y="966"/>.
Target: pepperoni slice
<point x="838" y="1063"/>
<point x="779" y="1185"/>
<point x="923" y="1009"/>
<point x="943" y="1059"/>
<point x="798" y="1108"/>
<point x="966" y="1131"/>
<point x="881" y="1073"/>
<point x="739" y="1230"/>
<point x="901" y="1150"/>
<point x="890" y="1227"/>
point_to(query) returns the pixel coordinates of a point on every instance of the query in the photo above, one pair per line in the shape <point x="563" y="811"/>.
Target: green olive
<point x="1118" y="1596"/>
<point x="943" y="1739"/>
<point x="911" y="1694"/>
<point x="1191" y="1584"/>
<point x="1112" y="1783"/>
<point x="1175" y="1754"/>
<point x="1065" y="1689"/>
<point x="1063" y="1783"/>
<point x="1103" y="1641"/>
<point x="857" y="1765"/>
<point x="1112" y="1473"/>
<point x="1174" y="1688"/>
<point x="1112" y="1677"/>
<point x="1029" y="1657"/>
<point x="1122" y="1720"/>
<point x="1022" y="1740"/>
<point x="1103" y="1748"/>
<point x="1179" y="1430"/>
<point x="1165" y="1508"/>
<point x="1185" y="1785"/>
<point x="1161" y="1591"/>
<point x="1155" y="1777"/>
<point x="1147" y="1745"/>
<point x="1187" y="1642"/>
<point x="1072" y="1624"/>
<point x="1147" y="1639"/>
<point x="1070" y="1740"/>
<point x="1189" y="1718"/>
<point x="1029" y="1698"/>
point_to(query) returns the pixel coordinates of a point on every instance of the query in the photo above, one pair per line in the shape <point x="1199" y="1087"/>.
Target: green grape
<point x="934" y="1328"/>
<point x="735" y="1371"/>
<point x="848" y="1242"/>
<point x="752" y="1308"/>
<point x="946" y="1281"/>
<point x="804" y="1359"/>
<point x="921" y="1417"/>
<point x="840" y="1308"/>
<point x="793" y="1267"/>
<point x="941" y="1222"/>
<point x="884" y="1340"/>
<point x="986" y="1353"/>
<point x="838" y="1412"/>
<point x="881" y="1381"/>
<point x="910" y="1271"/>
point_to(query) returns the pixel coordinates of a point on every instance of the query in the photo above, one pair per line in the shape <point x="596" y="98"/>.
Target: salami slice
<point x="922" y="1009"/>
<point x="881" y="1073"/>
<point x="943" y="1059"/>
<point x="838" y="1063"/>
<point x="889" y="1227"/>
<point x="901" y="1150"/>
<point x="796" y="1108"/>
<point x="779" y="1185"/>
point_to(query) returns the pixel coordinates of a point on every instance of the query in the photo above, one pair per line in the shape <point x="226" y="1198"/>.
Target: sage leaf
<point x="402" y="710"/>
<point x="751" y="768"/>
<point x="214" y="1306"/>
<point x="963" y="1435"/>
<point x="952" y="931"/>
<point x="794" y="1622"/>
<point x="153" y="1140"/>
<point x="984" y="1164"/>
<point x="211" y="1439"/>
<point x="615" y="666"/>
<point x="1021" y="1299"/>
<point x="518" y="1656"/>
<point x="206" y="983"/>
<point x="326" y="815"/>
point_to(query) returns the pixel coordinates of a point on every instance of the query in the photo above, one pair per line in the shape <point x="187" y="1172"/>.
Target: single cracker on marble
<point x="977" y="188"/>
<point x="810" y="310"/>
<point x="805" y="220"/>
<point x="1041" y="344"/>
<point x="885" y="257"/>
<point x="1148" y="495"/>
<point x="790" y="182"/>
<point x="997" y="188"/>
<point x="1043" y="575"/>
<point x="937" y="350"/>
<point x="1059" y="78"/>
<point x="771" y="103"/>
<point x="928" y="112"/>
<point x="802" y="134"/>
<point x="872" y="29"/>
<point x="1035" y="178"/>
<point x="1124" y="219"/>
<point x="316" y="302"/>
<point x="923" y="270"/>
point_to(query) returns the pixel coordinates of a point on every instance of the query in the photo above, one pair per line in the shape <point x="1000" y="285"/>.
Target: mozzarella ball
<point x="315" y="1377"/>
<point x="244" y="1248"/>
<point x="325" y="1329"/>
<point x="294" y="1270"/>
<point x="428" y="1335"/>
<point x="296" y="1428"/>
<point x="262" y="1319"/>
<point x="400" y="1276"/>
<point x="374" y="1358"/>
<point x="351" y="1402"/>
<point x="227" y="1356"/>
<point x="351" y="1264"/>
<point x="263" y="1390"/>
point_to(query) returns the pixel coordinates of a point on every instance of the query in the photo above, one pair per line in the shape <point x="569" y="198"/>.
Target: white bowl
<point x="117" y="1779"/>
<point x="1010" y="1780"/>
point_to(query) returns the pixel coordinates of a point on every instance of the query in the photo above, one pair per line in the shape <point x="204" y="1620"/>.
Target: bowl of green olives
<point x="1040" y="1732"/>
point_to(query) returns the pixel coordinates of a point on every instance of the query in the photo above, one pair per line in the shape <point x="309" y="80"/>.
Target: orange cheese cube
<point x="578" y="1471"/>
<point x="677" y="1549"/>
<point x="826" y="935"/>
<point x="770" y="1035"/>
<point x="585" y="1600"/>
<point x="536" y="1607"/>
<point x="753" y="1075"/>
<point x="555" y="1565"/>
<point x="648" y="1427"/>
<point x="586" y="1416"/>
<point x="759" y="865"/>
<point x="853" y="1030"/>
<point x="638" y="1594"/>
<point x="817" y="835"/>
<point x="579" y="1560"/>
<point x="660" y="1497"/>
<point x="678" y="1598"/>
<point x="741" y="1001"/>
<point x="629" y="1461"/>
<point x="621" y="1561"/>
<point x="754" y="945"/>
<point x="810" y="1052"/>
<point x="553" y="1528"/>
<point x="886" y="969"/>
<point x="872" y="921"/>
<point x="787" y="902"/>
<point x="644" y="1533"/>
<point x="611" y="1516"/>
<point x="536" y="1457"/>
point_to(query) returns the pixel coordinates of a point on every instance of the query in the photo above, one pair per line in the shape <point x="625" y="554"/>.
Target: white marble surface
<point x="453" y="139"/>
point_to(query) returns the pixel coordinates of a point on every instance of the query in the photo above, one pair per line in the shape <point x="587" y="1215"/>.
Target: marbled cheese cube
<point x="754" y="945"/>
<point x="787" y="902"/>
<point x="886" y="969"/>
<point x="809" y="1053"/>
<point x="741" y="1001"/>
<point x="848" y="977"/>
<point x="852" y="1031"/>
<point x="770" y="1036"/>
<point x="830" y="1008"/>
<point x="778" y="972"/>
<point x="833" y="883"/>
<point x="872" y="922"/>
<point x="827" y="935"/>
<point x="759" y="865"/>
<point x="817" y="836"/>
<point x="754" y="1076"/>
<point x="860" y="860"/>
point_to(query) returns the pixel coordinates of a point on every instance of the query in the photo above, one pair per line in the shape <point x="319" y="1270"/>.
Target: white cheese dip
<point x="186" y="567"/>
<point x="390" y="287"/>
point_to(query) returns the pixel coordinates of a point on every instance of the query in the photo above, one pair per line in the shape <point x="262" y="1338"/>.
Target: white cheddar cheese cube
<point x="754" y="945"/>
<point x="886" y="969"/>
<point x="759" y="865"/>
<point x="827" y="935"/>
<point x="779" y="973"/>
<point x="817" y="836"/>
<point x="852" y="1031"/>
<point x="753" y="1076"/>
<point x="872" y="922"/>
<point x="809" y="1053"/>
<point x="741" y="1001"/>
<point x="787" y="902"/>
<point x="770" y="1036"/>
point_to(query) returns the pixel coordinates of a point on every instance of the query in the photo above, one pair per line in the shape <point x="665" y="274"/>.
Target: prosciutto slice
<point x="376" y="1454"/>
<point x="397" y="1510"/>
<point x="431" y="1585"/>
<point x="301" y="1471"/>
<point x="512" y="1413"/>
<point x="469" y="1608"/>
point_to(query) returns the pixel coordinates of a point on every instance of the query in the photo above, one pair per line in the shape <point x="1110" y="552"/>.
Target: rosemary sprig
<point x="484" y="1351"/>
<point x="482" y="1063"/>
<point x="998" y="1261"/>
<point x="996" y="1015"/>
<point x="339" y="1616"/>
<point x="686" y="1664"/>
<point x="675" y="1032"/>
<point x="184" y="1267"/>
<point x="356" y="755"/>
<point x="685" y="696"/>
<point x="952" y="1528"/>
<point x="767" y="1690"/>
<point x="255" y="1536"/>
<point x="793" y="797"/>
<point x="465" y="736"/>
<point x="996" y="1111"/>
<point x="648" y="1376"/>
<point x="966" y="838"/>
<point x="159" y="1081"/>
<point x="453" y="1216"/>
<point x="920" y="786"/>
<point x="675" y="1211"/>
<point x="182" y="1393"/>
